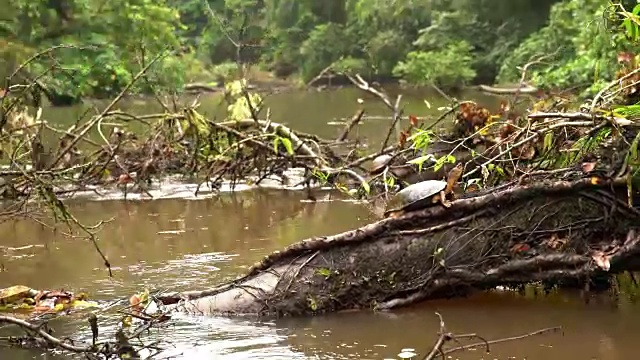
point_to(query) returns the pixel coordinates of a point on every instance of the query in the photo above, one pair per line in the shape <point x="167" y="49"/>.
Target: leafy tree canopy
<point x="452" y="43"/>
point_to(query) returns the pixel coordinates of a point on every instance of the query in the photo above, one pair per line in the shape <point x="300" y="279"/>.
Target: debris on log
<point x="560" y="232"/>
<point x="550" y="197"/>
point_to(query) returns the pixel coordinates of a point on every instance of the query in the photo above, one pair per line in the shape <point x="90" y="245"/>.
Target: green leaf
<point x="276" y="142"/>
<point x="323" y="272"/>
<point x="287" y="145"/>
<point x="421" y="139"/>
<point x="391" y="181"/>
<point x="443" y="160"/>
<point x="366" y="187"/>
<point x="421" y="160"/>
<point x="548" y="141"/>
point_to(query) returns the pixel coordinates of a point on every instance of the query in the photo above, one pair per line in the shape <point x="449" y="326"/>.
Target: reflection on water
<point x="306" y="111"/>
<point x="149" y="239"/>
<point x="589" y="331"/>
<point x="176" y="245"/>
<point x="189" y="244"/>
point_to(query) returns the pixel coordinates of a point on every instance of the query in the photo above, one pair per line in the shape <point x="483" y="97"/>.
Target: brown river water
<point x="182" y="244"/>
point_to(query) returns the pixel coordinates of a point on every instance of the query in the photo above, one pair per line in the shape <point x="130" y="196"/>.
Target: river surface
<point x="186" y="244"/>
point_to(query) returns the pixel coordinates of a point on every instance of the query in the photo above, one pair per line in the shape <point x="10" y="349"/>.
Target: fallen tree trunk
<point x="562" y="231"/>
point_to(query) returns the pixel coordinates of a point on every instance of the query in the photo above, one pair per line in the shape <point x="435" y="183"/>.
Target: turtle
<point x="379" y="163"/>
<point x="383" y="162"/>
<point x="424" y="194"/>
<point x="15" y="293"/>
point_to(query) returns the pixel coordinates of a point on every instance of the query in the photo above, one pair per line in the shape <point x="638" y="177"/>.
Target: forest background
<point x="449" y="43"/>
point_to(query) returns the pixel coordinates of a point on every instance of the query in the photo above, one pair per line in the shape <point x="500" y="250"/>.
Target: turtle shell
<point x="379" y="163"/>
<point x="416" y="196"/>
<point x="15" y="293"/>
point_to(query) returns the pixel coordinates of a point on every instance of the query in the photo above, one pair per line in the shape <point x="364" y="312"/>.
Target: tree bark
<point x="558" y="232"/>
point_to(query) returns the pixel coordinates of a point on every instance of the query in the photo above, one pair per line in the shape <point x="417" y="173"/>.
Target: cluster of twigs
<point x="496" y="146"/>
<point x="521" y="214"/>
<point x="127" y="342"/>
<point x="37" y="334"/>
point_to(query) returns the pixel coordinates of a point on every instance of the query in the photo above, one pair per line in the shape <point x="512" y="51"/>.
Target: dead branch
<point x="446" y="337"/>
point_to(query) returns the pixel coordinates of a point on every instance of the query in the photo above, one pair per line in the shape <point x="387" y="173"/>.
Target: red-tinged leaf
<point x="517" y="248"/>
<point x="124" y="179"/>
<point x="414" y="120"/>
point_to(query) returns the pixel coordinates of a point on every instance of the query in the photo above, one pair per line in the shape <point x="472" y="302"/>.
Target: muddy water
<point x="307" y="111"/>
<point x="188" y="244"/>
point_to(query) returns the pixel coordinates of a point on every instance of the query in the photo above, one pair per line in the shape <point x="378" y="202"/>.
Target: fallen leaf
<point x="588" y="167"/>
<point x="135" y="301"/>
<point x="601" y="260"/>
<point x="554" y="242"/>
<point x="507" y="129"/>
<point x="403" y="139"/>
<point x="517" y="248"/>
<point x="525" y="152"/>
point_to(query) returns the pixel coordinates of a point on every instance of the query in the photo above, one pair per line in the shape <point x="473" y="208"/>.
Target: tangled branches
<point x="126" y="344"/>
<point x="547" y="196"/>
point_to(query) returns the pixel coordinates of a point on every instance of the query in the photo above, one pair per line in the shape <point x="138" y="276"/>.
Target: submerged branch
<point x="446" y="337"/>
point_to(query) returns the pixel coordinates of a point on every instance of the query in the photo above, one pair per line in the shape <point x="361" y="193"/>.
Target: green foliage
<point x="368" y="36"/>
<point x="113" y="41"/>
<point x="351" y="65"/>
<point x="242" y="103"/>
<point x="492" y="28"/>
<point x="225" y="72"/>
<point x="584" y="49"/>
<point x="325" y="45"/>
<point x="450" y="43"/>
<point x="448" y="68"/>
<point x="385" y="49"/>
